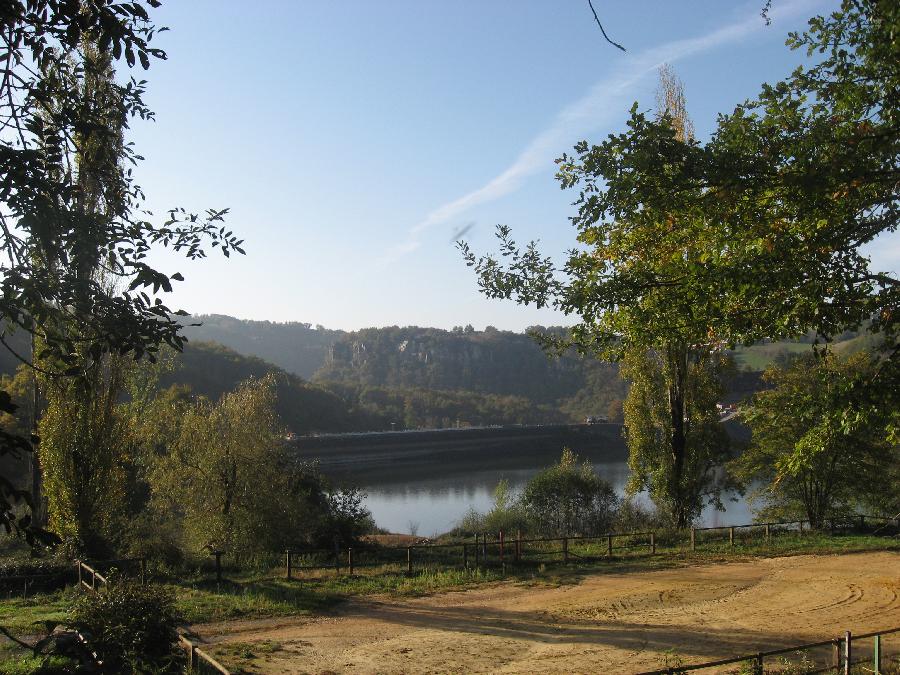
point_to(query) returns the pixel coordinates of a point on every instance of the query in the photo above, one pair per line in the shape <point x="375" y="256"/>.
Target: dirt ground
<point x="606" y="623"/>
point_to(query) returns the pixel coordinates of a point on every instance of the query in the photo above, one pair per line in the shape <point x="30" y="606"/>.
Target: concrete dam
<point x="482" y="447"/>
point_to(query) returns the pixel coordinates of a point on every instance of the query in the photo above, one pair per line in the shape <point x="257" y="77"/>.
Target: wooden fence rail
<point x="842" y="659"/>
<point x="197" y="659"/>
<point x="503" y="550"/>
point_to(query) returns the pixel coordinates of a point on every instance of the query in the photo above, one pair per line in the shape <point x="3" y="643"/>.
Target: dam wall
<point x="482" y="446"/>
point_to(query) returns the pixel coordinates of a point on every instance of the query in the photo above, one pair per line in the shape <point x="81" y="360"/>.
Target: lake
<point x="408" y="492"/>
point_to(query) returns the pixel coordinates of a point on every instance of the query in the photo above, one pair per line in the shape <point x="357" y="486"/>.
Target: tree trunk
<point x="678" y="361"/>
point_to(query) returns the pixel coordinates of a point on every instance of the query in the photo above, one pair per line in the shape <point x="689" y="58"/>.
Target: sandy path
<point x="609" y="623"/>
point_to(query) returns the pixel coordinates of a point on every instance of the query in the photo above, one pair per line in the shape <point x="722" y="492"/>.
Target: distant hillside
<point x="760" y="356"/>
<point x="490" y="361"/>
<point x="298" y="348"/>
<point x="212" y="370"/>
<point x="484" y="365"/>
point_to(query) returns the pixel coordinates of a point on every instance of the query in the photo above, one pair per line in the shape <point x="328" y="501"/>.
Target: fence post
<point x="484" y="548"/>
<point x="848" y="652"/>
<point x="409" y="559"/>
<point x="731" y="536"/>
<point x="758" y="665"/>
<point x="609" y="544"/>
<point x="477" y="552"/>
<point x="289" y="570"/>
<point x="767" y="532"/>
<point x="836" y="653"/>
<point x="518" y="545"/>
<point x="93" y="580"/>
<point x="501" y="548"/>
<point x="78" y="567"/>
<point x="653" y="543"/>
<point x="350" y="560"/>
<point x="143" y="571"/>
<point x="218" y="555"/>
<point x="876" y="655"/>
<point x="565" y="550"/>
<point x="465" y="555"/>
<point x="693" y="540"/>
<point x="862" y="521"/>
<point x="801" y="527"/>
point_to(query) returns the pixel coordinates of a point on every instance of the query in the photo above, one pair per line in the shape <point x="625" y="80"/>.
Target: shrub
<point x="507" y="515"/>
<point x="568" y="499"/>
<point x="132" y="628"/>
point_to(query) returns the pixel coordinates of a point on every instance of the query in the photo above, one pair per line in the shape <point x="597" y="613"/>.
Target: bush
<point x="568" y="499"/>
<point x="132" y="628"/>
<point x="507" y="515"/>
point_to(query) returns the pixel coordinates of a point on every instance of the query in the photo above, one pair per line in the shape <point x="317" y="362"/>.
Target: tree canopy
<point x="74" y="233"/>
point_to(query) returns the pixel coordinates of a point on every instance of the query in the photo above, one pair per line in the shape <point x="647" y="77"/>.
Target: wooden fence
<point x="842" y="658"/>
<point x="197" y="659"/>
<point x="501" y="550"/>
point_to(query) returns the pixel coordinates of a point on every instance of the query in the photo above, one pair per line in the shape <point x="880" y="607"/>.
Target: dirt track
<point x="608" y="623"/>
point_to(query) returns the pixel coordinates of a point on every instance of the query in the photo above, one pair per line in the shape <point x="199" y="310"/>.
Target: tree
<point x="627" y="285"/>
<point x="680" y="482"/>
<point x="223" y="472"/>
<point x="569" y="499"/>
<point x="52" y="232"/>
<point x="819" y="450"/>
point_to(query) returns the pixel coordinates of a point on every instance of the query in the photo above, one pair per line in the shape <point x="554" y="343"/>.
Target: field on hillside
<point x="615" y="622"/>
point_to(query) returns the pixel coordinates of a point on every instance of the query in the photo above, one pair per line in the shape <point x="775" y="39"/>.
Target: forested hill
<point x="490" y="361"/>
<point x="211" y="370"/>
<point x="296" y="347"/>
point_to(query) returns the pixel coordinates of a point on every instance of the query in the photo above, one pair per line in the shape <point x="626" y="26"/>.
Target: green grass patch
<point x="26" y="617"/>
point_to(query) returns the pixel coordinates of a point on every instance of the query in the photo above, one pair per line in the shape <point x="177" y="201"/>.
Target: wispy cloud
<point x="597" y="108"/>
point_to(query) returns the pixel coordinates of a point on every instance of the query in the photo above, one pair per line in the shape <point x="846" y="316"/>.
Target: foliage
<point x="629" y="284"/>
<point x="569" y="499"/>
<point x="409" y="408"/>
<point x="70" y="206"/>
<point x="679" y="492"/>
<point x="226" y="475"/>
<point x="132" y="627"/>
<point x="819" y="447"/>
<point x="83" y="454"/>
<point x="220" y="470"/>
<point x="507" y="515"/>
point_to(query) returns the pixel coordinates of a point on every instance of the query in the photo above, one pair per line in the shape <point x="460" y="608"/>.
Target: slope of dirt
<point x="609" y="623"/>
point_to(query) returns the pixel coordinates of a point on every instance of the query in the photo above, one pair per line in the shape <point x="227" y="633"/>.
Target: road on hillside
<point x="609" y="623"/>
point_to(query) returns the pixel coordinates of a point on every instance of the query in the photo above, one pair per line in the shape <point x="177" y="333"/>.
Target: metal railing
<point x="842" y="659"/>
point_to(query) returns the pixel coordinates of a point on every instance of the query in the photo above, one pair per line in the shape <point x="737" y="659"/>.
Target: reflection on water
<point x="432" y="500"/>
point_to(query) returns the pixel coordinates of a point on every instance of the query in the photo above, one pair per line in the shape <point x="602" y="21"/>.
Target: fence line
<point x="503" y="550"/>
<point x="842" y="656"/>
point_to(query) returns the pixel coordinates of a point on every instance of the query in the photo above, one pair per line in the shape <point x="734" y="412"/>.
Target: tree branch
<point x="597" y="19"/>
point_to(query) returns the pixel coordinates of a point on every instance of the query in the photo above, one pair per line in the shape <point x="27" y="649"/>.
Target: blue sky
<point x="352" y="139"/>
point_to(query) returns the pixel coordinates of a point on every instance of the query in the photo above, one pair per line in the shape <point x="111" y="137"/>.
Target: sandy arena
<point x="607" y="623"/>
